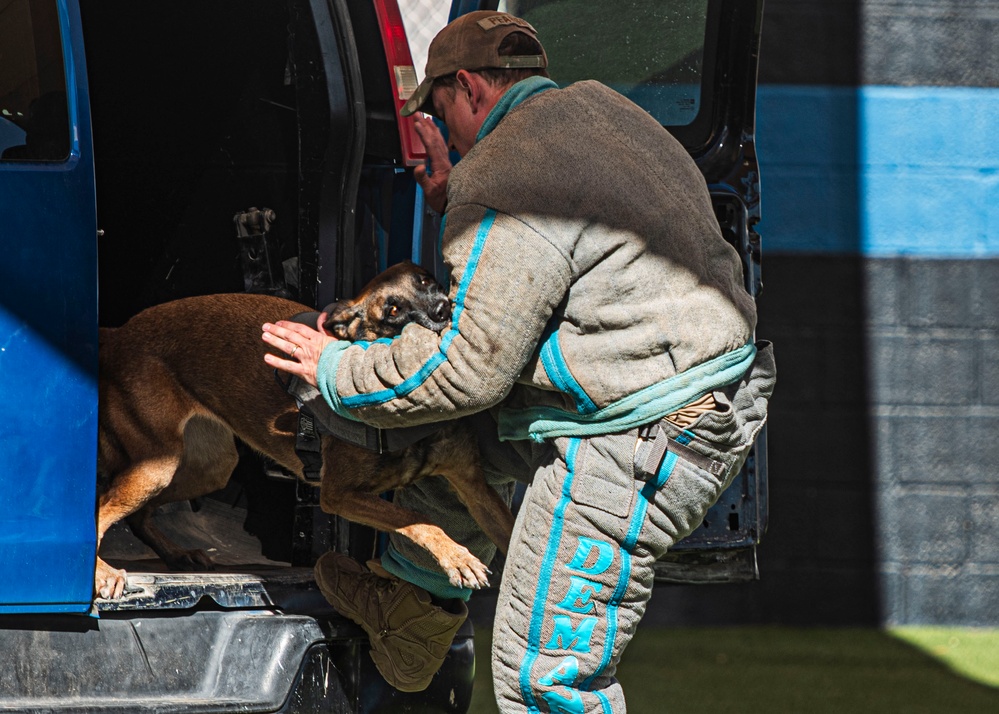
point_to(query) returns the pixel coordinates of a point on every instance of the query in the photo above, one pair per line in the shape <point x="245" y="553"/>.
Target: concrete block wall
<point x="880" y="170"/>
<point x="900" y="185"/>
<point x="934" y="342"/>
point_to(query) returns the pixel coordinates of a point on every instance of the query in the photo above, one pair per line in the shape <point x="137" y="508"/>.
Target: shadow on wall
<point x="818" y="561"/>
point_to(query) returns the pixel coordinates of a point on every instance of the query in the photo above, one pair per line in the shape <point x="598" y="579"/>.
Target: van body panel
<point x="48" y="355"/>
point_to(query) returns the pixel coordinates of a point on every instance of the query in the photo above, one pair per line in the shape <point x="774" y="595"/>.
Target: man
<point x="599" y="316"/>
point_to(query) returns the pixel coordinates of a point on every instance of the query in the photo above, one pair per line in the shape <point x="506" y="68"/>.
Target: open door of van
<point x="692" y="65"/>
<point x="48" y="312"/>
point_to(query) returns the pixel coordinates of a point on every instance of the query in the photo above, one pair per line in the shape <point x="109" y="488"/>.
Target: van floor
<point x="216" y="527"/>
<point x="245" y="573"/>
<point x="248" y="523"/>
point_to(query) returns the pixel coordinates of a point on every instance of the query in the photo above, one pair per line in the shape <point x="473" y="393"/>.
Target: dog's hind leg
<point x="209" y="459"/>
<point x="143" y="525"/>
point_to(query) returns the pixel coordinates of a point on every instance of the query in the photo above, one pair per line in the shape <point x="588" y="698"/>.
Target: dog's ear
<point x="342" y="319"/>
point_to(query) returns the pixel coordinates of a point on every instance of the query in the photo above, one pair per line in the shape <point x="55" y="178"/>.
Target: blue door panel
<point x="48" y="364"/>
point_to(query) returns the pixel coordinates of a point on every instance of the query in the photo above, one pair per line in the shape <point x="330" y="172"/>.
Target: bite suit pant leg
<point x="579" y="572"/>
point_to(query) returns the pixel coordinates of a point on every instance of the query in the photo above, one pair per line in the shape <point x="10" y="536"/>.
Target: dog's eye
<point x="391" y="310"/>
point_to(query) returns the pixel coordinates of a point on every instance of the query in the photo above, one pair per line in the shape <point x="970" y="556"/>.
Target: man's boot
<point x="409" y="634"/>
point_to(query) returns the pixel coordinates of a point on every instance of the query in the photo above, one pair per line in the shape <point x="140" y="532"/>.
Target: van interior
<point x="190" y="134"/>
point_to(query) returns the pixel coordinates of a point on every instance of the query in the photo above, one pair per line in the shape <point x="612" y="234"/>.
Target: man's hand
<point x="434" y="185"/>
<point x="301" y="343"/>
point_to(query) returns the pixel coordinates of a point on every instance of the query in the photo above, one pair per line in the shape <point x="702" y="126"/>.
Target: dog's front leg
<point x="485" y="505"/>
<point x="109" y="583"/>
<point x="462" y="568"/>
<point x="129" y="491"/>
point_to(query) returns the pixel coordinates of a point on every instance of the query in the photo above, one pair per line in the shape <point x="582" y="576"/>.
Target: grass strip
<point x="798" y="671"/>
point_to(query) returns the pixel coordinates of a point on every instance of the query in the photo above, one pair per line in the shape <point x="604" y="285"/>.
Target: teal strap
<point x="642" y="407"/>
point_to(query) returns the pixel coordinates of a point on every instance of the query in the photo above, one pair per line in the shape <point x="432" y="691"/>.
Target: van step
<point x="175" y="591"/>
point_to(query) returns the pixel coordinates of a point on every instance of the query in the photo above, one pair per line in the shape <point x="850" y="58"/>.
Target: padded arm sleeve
<point x="506" y="281"/>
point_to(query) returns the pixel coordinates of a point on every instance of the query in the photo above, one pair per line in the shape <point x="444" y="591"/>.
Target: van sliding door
<point x="48" y="312"/>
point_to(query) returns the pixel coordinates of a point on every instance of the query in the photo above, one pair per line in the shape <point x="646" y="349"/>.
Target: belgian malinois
<point x="178" y="380"/>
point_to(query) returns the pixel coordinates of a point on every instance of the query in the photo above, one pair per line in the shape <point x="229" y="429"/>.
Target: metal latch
<point x="259" y="257"/>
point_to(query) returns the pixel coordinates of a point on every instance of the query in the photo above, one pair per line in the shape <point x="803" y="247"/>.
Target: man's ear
<point x="473" y="85"/>
<point x="464" y="80"/>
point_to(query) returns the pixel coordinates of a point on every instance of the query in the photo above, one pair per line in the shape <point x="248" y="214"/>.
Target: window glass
<point x="423" y="20"/>
<point x="651" y="51"/>
<point x="34" y="121"/>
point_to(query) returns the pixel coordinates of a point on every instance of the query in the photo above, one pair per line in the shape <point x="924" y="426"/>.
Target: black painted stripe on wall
<point x="881" y="42"/>
<point x="884" y="507"/>
<point x="810" y="42"/>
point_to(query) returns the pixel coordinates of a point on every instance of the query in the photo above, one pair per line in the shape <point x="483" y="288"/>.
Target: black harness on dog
<point x="316" y="418"/>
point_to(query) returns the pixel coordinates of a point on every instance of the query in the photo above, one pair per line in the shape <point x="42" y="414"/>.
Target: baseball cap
<point x="471" y="42"/>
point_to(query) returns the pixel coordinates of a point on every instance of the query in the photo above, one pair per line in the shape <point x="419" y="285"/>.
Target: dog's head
<point x="402" y="294"/>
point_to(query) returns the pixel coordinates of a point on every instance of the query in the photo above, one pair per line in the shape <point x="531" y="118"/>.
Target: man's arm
<point x="506" y="282"/>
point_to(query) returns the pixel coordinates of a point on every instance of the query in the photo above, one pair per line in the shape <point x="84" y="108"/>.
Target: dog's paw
<point x="466" y="571"/>
<point x="109" y="583"/>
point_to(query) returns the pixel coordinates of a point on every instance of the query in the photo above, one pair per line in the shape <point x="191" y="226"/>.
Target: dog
<point x="180" y="379"/>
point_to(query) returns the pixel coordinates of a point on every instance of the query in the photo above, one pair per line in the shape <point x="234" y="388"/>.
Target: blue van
<point x="151" y="151"/>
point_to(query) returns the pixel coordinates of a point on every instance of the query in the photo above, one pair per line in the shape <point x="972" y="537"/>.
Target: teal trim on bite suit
<point x="643" y="407"/>
<point x="432" y="581"/>
<point x="561" y="376"/>
<point x="329" y="362"/>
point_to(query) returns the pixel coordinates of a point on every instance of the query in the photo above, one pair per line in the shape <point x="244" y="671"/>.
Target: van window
<point x="648" y="50"/>
<point x="34" y="120"/>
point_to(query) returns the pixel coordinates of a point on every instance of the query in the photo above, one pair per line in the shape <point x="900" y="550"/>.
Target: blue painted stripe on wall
<point x="879" y="171"/>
